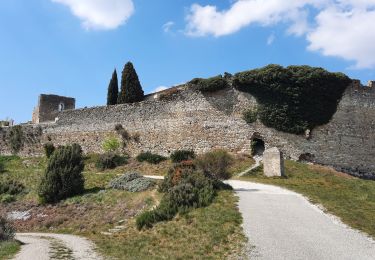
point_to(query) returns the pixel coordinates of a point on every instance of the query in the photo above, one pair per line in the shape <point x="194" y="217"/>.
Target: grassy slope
<point x="214" y="231"/>
<point x="351" y="199"/>
<point x="8" y="249"/>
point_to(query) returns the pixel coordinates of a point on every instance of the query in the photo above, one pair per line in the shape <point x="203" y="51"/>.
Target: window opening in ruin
<point x="257" y="147"/>
<point x="61" y="107"/>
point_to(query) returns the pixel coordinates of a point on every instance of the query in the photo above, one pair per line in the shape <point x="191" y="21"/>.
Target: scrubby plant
<point x="112" y="94"/>
<point x="295" y="98"/>
<point x="16" y="139"/>
<point x="2" y="167"/>
<point x="209" y="85"/>
<point x="109" y="161"/>
<point x="132" y="182"/>
<point x="182" y="155"/>
<point x="250" y="116"/>
<point x="215" y="164"/>
<point x="131" y="89"/>
<point x="6" y="230"/>
<point x="150" y="158"/>
<point x="63" y="177"/>
<point x="11" y="187"/>
<point x="111" y="144"/>
<point x="125" y="136"/>
<point x="49" y="148"/>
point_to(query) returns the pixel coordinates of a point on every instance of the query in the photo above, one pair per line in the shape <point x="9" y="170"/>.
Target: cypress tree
<point x="131" y="89"/>
<point x="112" y="95"/>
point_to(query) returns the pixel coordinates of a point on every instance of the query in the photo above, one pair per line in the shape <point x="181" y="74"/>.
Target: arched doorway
<point x="257" y="145"/>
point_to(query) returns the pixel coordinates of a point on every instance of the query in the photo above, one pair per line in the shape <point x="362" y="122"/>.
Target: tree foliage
<point x="294" y="98"/>
<point x="131" y="89"/>
<point x="63" y="177"/>
<point x="112" y="95"/>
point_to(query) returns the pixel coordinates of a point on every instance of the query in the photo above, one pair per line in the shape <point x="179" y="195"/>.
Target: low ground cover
<point x="351" y="199"/>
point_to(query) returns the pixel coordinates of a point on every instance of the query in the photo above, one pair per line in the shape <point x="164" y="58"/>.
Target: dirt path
<point x="258" y="159"/>
<point x="44" y="246"/>
<point x="282" y="224"/>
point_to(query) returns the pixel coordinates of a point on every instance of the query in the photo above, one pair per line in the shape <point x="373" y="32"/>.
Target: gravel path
<point x="43" y="246"/>
<point x="283" y="225"/>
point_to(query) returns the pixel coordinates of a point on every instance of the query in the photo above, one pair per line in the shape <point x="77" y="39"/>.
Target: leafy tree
<point x="131" y="89"/>
<point x="63" y="177"/>
<point x="112" y="95"/>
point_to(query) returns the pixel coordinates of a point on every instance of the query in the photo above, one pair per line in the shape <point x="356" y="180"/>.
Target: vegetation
<point x="109" y="161"/>
<point x="2" y="167"/>
<point x="250" y="116"/>
<point x="295" y="98"/>
<point x="150" y="158"/>
<point x="8" y="249"/>
<point x="63" y="177"/>
<point x="111" y="145"/>
<point x="6" y="230"/>
<point x="132" y="182"/>
<point x="112" y="94"/>
<point x="182" y="155"/>
<point x="185" y="188"/>
<point x="16" y="139"/>
<point x="131" y="89"/>
<point x="351" y="199"/>
<point x="49" y="148"/>
<point x="210" y="85"/>
<point x="215" y="164"/>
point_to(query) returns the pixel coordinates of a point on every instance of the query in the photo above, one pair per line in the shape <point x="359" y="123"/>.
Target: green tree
<point x="112" y="95"/>
<point x="63" y="177"/>
<point x="131" y="89"/>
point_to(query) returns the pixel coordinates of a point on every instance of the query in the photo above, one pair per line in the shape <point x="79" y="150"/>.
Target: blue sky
<point x="70" y="47"/>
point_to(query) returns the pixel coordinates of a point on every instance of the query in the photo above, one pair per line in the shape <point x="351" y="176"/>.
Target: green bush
<point x="2" y="167"/>
<point x="49" y="148"/>
<point x="295" y="98"/>
<point x="11" y="187"/>
<point x="109" y="161"/>
<point x="7" y="198"/>
<point x="125" y="136"/>
<point x="111" y="145"/>
<point x="132" y="182"/>
<point x="63" y="177"/>
<point x="215" y="164"/>
<point x="150" y="158"/>
<point x="182" y="155"/>
<point x="16" y="139"/>
<point x="210" y="85"/>
<point x="250" y="116"/>
<point x="6" y="230"/>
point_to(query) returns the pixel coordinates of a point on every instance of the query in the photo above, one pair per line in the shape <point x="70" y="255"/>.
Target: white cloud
<point x="168" y="26"/>
<point x="271" y="39"/>
<point x="341" y="28"/>
<point x="100" y="14"/>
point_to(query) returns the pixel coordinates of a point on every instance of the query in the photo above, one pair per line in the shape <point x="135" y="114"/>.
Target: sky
<point x="71" y="47"/>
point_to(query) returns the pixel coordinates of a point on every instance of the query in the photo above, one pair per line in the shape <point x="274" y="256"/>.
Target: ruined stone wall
<point x="192" y="120"/>
<point x="48" y="107"/>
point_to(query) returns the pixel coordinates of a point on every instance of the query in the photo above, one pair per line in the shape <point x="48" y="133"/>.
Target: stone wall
<point x="192" y="120"/>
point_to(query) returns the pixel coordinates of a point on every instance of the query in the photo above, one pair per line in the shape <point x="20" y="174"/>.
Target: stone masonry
<point x="49" y="106"/>
<point x="273" y="163"/>
<point x="205" y="121"/>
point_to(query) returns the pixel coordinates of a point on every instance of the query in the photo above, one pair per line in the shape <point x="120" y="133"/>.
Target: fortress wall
<point x="205" y="121"/>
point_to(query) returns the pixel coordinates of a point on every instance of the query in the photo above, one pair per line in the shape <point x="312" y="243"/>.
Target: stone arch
<point x="258" y="146"/>
<point x="306" y="157"/>
<point x="61" y="106"/>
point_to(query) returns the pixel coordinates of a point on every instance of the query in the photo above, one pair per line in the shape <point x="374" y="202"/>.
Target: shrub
<point x="7" y="198"/>
<point x="295" y="98"/>
<point x="123" y="133"/>
<point x="109" y="161"/>
<point x="250" y="116"/>
<point x="132" y="182"/>
<point x="16" y="139"/>
<point x="11" y="187"/>
<point x="6" y="230"/>
<point x="2" y="167"/>
<point x="182" y="155"/>
<point x="111" y="144"/>
<point x="49" y="148"/>
<point x="209" y="85"/>
<point x="63" y="177"/>
<point x="150" y="158"/>
<point x="215" y="164"/>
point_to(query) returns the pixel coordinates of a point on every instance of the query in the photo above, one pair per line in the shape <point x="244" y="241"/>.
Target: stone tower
<point x="49" y="107"/>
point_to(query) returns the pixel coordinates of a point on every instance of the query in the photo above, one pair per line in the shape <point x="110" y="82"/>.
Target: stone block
<point x="273" y="163"/>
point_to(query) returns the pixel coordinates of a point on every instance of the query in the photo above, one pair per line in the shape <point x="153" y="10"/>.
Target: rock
<point x="273" y="163"/>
